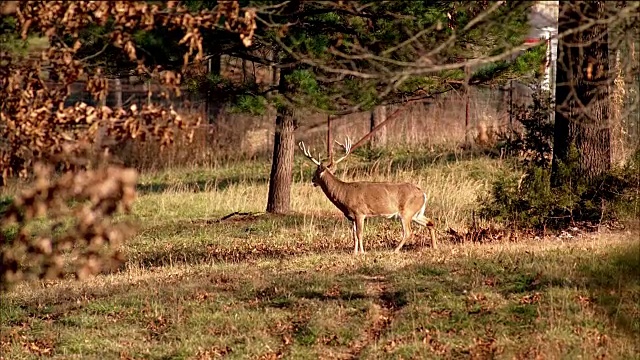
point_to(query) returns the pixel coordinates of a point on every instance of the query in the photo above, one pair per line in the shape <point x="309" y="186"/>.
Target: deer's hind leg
<point x="355" y="237"/>
<point x="419" y="217"/>
<point x="358" y="229"/>
<point x="422" y="220"/>
<point x="432" y="234"/>
<point x="406" y="231"/>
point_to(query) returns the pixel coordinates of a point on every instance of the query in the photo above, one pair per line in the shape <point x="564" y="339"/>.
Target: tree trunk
<point x="213" y="106"/>
<point x="282" y="166"/>
<point x="244" y="70"/>
<point x="279" y="200"/>
<point x="378" y="115"/>
<point x="617" y="109"/>
<point x="582" y="103"/>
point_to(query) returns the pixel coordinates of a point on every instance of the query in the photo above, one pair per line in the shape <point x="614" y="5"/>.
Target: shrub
<point x="535" y="142"/>
<point x="71" y="217"/>
<point x="526" y="199"/>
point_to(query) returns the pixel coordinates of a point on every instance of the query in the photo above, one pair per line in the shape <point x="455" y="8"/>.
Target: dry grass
<point x="236" y="136"/>
<point x="269" y="286"/>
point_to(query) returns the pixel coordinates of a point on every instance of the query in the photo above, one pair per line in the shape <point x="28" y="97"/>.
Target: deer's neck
<point x="333" y="188"/>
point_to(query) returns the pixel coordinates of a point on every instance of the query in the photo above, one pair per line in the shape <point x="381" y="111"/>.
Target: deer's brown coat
<point x="358" y="200"/>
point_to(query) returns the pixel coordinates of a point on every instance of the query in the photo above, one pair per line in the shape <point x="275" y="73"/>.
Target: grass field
<point x="262" y="286"/>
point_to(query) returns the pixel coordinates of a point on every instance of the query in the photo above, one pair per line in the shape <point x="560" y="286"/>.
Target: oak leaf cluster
<point x="45" y="138"/>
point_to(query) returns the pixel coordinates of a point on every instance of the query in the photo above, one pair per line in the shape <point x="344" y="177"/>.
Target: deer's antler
<point x="307" y="153"/>
<point x="347" y="149"/>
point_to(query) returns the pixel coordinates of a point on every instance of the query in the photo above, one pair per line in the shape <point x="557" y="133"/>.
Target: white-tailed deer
<point x="362" y="199"/>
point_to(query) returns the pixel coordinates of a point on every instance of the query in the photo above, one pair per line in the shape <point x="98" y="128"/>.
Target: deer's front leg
<point x="359" y="227"/>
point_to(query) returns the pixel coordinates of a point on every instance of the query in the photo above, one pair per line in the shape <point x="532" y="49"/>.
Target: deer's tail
<point x="419" y="216"/>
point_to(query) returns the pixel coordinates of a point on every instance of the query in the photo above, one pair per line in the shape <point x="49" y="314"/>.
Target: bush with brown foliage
<point x="80" y="204"/>
<point x="36" y="126"/>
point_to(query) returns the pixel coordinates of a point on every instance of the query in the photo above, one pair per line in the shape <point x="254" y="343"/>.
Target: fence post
<point x="467" y="129"/>
<point x="510" y="110"/>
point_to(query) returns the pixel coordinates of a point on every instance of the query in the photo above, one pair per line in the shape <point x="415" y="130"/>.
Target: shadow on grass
<point x="239" y="237"/>
<point x="242" y="224"/>
<point x="612" y="281"/>
<point x="312" y="294"/>
<point x="220" y="183"/>
<point x="290" y="290"/>
<point x="432" y="296"/>
<point x="235" y="239"/>
<point x="614" y="286"/>
<point x="250" y="237"/>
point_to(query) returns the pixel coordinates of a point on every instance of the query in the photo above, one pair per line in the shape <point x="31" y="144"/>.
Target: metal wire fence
<point x="448" y="120"/>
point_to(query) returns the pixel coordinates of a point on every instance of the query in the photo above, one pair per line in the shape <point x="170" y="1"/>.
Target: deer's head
<point x="321" y="169"/>
<point x="319" y="173"/>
